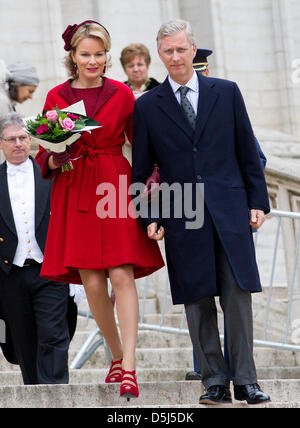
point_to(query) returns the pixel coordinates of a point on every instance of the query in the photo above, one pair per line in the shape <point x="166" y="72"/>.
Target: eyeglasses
<point x="13" y="140"/>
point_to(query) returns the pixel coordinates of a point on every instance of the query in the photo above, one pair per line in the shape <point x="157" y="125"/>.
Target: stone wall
<point x="255" y="43"/>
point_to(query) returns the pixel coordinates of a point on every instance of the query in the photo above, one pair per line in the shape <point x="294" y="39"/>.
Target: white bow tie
<point x="14" y="169"/>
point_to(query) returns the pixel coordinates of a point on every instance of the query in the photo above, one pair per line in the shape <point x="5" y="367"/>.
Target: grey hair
<point x="11" y="119"/>
<point x="173" y="27"/>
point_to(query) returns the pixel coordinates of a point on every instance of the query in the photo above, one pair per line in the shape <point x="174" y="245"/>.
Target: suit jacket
<point x="221" y="155"/>
<point x="9" y="239"/>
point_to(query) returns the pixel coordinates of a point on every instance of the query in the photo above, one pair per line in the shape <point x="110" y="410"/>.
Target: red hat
<point x="71" y="30"/>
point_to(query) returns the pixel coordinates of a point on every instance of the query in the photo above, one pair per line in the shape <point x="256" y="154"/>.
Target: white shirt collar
<point x="192" y="84"/>
<point x="23" y="167"/>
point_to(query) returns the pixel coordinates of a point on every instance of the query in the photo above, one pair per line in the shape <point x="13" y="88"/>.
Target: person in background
<point x="84" y="244"/>
<point x="200" y="62"/>
<point x="40" y="316"/>
<point x="135" y="60"/>
<point x="19" y="82"/>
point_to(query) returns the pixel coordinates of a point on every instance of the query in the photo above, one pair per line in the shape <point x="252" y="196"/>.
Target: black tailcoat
<point x="9" y="239"/>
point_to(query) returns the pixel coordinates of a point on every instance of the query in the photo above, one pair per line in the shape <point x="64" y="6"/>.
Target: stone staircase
<point x="162" y="361"/>
<point x="164" y="358"/>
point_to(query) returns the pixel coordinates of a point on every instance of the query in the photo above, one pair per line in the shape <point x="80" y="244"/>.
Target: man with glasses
<point x="35" y="310"/>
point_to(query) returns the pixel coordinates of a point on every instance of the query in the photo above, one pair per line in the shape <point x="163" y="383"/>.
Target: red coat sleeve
<point x="130" y="108"/>
<point x="42" y="155"/>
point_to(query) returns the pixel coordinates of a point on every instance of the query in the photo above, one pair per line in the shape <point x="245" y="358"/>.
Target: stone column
<point x="286" y="15"/>
<point x="199" y="14"/>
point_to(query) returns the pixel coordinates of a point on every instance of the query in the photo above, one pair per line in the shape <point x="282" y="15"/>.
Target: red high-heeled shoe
<point x="128" y="390"/>
<point x="115" y="373"/>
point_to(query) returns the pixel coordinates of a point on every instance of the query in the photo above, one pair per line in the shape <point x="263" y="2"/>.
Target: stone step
<point x="149" y="305"/>
<point x="148" y="410"/>
<point x="274" y="334"/>
<point x="170" y="320"/>
<point x="176" y="358"/>
<point x="278" y="372"/>
<point x="151" y="394"/>
<point x="95" y="376"/>
<point x="277" y="318"/>
<point x="145" y="339"/>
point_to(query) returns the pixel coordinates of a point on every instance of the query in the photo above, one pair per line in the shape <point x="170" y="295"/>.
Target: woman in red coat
<point x="83" y="246"/>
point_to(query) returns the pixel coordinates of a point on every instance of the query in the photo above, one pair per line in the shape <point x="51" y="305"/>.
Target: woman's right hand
<point x="57" y="160"/>
<point x="152" y="186"/>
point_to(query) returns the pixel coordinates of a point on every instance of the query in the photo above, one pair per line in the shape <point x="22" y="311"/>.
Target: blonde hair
<point x="84" y="31"/>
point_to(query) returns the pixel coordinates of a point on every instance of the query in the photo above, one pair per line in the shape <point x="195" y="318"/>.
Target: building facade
<point x="255" y="42"/>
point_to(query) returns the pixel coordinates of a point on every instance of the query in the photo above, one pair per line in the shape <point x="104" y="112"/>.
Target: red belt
<point x="86" y="186"/>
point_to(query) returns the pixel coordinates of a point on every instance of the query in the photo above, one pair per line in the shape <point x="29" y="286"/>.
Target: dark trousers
<point x="203" y="327"/>
<point x="35" y="312"/>
<point x="196" y="365"/>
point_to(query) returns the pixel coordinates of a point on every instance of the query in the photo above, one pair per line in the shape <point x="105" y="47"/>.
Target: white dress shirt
<point x="193" y="93"/>
<point x="20" y="179"/>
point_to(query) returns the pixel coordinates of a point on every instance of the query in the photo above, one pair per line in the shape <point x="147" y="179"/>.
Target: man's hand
<point x="153" y="233"/>
<point x="257" y="217"/>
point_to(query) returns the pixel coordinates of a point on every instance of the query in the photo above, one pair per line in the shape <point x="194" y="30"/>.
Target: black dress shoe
<point x="193" y="376"/>
<point x="216" y="394"/>
<point x="251" y="393"/>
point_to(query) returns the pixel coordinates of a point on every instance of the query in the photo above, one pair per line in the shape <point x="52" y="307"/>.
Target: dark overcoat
<point x="222" y="155"/>
<point x="9" y="242"/>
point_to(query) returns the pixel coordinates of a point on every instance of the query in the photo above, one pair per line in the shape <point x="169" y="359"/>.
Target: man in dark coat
<point x="201" y="64"/>
<point x="40" y="316"/>
<point x="198" y="131"/>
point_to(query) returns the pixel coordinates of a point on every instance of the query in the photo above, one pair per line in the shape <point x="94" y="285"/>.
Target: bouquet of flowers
<point x="57" y="129"/>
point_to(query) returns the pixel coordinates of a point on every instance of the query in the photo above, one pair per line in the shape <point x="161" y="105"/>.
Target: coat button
<point x="1" y="240"/>
<point x="6" y="262"/>
<point x="195" y="149"/>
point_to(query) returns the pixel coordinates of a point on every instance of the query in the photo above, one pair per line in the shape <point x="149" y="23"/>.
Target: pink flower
<point x="42" y="129"/>
<point x="73" y="116"/>
<point x="67" y="124"/>
<point x="52" y="116"/>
